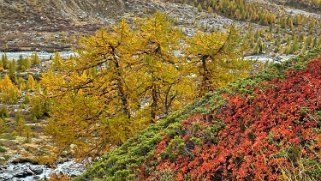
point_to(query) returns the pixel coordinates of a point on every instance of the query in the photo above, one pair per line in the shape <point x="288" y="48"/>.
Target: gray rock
<point x="22" y="172"/>
<point x="37" y="170"/>
<point x="5" y="176"/>
<point x="26" y="171"/>
<point x="70" y="168"/>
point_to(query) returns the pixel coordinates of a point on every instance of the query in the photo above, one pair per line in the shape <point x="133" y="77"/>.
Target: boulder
<point x="23" y="172"/>
<point x="36" y="169"/>
<point x="5" y="176"/>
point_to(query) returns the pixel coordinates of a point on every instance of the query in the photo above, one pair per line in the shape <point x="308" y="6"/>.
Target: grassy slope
<point x="125" y="162"/>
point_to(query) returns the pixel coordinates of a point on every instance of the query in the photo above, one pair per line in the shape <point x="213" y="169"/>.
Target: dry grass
<point x="56" y="177"/>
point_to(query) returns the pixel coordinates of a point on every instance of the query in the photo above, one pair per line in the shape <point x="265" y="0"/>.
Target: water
<point x="42" y="55"/>
<point x="32" y="172"/>
<point x="268" y="58"/>
<point x="68" y="54"/>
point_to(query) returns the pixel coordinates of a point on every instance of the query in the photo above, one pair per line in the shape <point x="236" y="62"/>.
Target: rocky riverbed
<point x="268" y="58"/>
<point x="27" y="171"/>
<point x="42" y="55"/>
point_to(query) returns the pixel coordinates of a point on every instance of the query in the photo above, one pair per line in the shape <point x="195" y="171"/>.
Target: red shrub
<point x="280" y="117"/>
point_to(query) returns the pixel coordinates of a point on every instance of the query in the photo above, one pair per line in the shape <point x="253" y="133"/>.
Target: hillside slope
<point x="264" y="127"/>
<point x="57" y="25"/>
<point x="51" y="24"/>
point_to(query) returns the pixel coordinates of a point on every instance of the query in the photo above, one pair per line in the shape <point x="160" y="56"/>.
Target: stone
<point x="5" y="176"/>
<point x="24" y="172"/>
<point x="37" y="170"/>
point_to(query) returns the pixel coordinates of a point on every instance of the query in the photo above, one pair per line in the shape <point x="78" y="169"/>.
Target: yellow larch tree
<point x="89" y="96"/>
<point x="9" y="93"/>
<point x="126" y="78"/>
<point x="217" y="58"/>
<point x="159" y="71"/>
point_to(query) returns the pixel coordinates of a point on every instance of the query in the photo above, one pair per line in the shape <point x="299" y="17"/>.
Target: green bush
<point x="2" y="150"/>
<point x="3" y="126"/>
<point x="4" y="113"/>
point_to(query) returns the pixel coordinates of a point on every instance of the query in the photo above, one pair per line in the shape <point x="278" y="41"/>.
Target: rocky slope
<point x="263" y="128"/>
<point x="58" y="24"/>
<point x="36" y="24"/>
<point x="51" y="24"/>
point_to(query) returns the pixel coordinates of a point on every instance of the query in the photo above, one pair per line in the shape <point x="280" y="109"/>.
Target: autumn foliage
<point x="266" y="127"/>
<point x="127" y="78"/>
<point x="259" y="133"/>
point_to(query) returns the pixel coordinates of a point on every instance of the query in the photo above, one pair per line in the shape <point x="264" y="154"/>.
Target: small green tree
<point x="31" y="83"/>
<point x="36" y="108"/>
<point x="35" y="59"/>
<point x="5" y="62"/>
<point x="27" y="134"/>
<point x="4" y="113"/>
<point x="27" y="99"/>
<point x="20" y="123"/>
<point x="23" y="63"/>
<point x="57" y="62"/>
<point x="12" y="66"/>
<point x="3" y="126"/>
<point x="21" y="84"/>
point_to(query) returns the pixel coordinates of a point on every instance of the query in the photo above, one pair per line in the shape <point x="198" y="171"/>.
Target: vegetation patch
<point x="245" y="131"/>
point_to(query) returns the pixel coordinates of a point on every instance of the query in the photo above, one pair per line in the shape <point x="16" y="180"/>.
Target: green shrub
<point x="4" y="113"/>
<point x="3" y="126"/>
<point x="2" y="150"/>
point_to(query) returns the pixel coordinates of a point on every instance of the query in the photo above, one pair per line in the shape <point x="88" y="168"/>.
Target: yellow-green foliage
<point x="123" y="163"/>
<point x="4" y="62"/>
<point x="124" y="79"/>
<point x="9" y="93"/>
<point x="20" y="124"/>
<point x="4" y="112"/>
<point x="23" y="63"/>
<point x="31" y="83"/>
<point x="35" y="59"/>
<point x="3" y="125"/>
<point x="216" y="59"/>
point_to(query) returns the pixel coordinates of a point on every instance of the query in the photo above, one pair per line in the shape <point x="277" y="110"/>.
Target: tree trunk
<point x="168" y="100"/>
<point x="206" y="84"/>
<point x="120" y="87"/>
<point x="155" y="102"/>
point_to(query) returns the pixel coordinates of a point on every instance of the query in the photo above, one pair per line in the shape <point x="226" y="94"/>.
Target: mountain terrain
<point x="160" y="90"/>
<point x="57" y="25"/>
<point x="266" y="127"/>
<point x="51" y="24"/>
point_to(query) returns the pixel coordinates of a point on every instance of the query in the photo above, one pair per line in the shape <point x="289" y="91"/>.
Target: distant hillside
<point x="40" y="12"/>
<point x="50" y="24"/>
<point x="57" y="24"/>
<point x="262" y="128"/>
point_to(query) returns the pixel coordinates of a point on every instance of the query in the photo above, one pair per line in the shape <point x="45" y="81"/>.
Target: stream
<point x="67" y="54"/>
<point x="42" y="55"/>
<point x="32" y="172"/>
<point x="268" y="58"/>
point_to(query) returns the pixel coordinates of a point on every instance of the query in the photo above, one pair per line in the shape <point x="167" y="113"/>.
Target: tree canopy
<point x="126" y="78"/>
